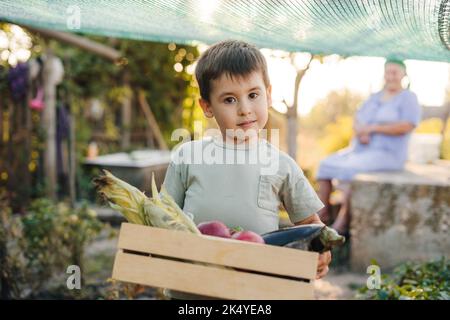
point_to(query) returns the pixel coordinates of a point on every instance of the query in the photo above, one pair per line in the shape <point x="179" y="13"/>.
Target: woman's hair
<point x="231" y="57"/>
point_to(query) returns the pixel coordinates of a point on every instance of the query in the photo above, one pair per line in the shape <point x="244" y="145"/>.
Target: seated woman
<point x="382" y="128"/>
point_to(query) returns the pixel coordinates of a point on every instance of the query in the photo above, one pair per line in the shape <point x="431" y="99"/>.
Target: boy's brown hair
<point x="232" y="57"/>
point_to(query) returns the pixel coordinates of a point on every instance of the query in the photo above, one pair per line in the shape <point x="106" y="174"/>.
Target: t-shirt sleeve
<point x="410" y="109"/>
<point x="298" y="197"/>
<point x="174" y="183"/>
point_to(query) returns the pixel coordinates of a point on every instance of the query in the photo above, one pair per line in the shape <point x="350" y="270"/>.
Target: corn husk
<point x="159" y="211"/>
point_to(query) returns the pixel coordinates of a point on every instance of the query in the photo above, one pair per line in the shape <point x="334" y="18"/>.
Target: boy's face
<point x="238" y="103"/>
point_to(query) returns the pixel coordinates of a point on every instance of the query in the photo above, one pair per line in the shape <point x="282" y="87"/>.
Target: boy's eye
<point x="229" y="100"/>
<point x="253" y="95"/>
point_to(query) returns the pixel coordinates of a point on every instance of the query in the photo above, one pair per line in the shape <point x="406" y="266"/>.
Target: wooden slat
<point x="81" y="42"/>
<point x="206" y="280"/>
<point x="233" y="253"/>
<point x="153" y="124"/>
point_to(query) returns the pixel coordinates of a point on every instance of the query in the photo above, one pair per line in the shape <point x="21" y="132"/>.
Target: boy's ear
<point x="269" y="95"/>
<point x="207" y="111"/>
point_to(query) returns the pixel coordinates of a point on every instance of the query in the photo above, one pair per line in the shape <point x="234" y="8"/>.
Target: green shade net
<point x="405" y="29"/>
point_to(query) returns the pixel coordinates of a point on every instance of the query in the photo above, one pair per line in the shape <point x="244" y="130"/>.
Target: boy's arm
<point x="312" y="219"/>
<point x="174" y="184"/>
<point x="324" y="258"/>
<point x="299" y="200"/>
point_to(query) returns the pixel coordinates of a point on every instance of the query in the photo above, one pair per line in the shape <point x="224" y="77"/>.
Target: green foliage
<point x="337" y="135"/>
<point x="79" y="227"/>
<point x="328" y="110"/>
<point x="413" y="281"/>
<point x="147" y="65"/>
<point x="52" y="237"/>
<point x="11" y="264"/>
<point x="40" y="239"/>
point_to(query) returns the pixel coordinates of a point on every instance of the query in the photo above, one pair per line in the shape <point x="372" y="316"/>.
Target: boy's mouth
<point x="246" y="124"/>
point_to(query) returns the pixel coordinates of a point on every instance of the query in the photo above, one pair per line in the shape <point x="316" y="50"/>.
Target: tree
<point x="292" y="113"/>
<point x="292" y="109"/>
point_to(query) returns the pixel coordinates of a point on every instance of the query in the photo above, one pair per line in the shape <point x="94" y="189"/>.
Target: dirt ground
<point x="339" y="286"/>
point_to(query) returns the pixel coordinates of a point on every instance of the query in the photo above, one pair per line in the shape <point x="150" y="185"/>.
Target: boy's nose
<point x="244" y="109"/>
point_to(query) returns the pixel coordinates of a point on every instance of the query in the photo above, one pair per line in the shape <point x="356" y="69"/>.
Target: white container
<point x="424" y="148"/>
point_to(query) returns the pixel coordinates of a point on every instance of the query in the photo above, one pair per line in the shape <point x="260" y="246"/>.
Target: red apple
<point x="214" y="228"/>
<point x="248" y="236"/>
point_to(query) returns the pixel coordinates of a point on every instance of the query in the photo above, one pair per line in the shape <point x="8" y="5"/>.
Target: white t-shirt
<point x="239" y="185"/>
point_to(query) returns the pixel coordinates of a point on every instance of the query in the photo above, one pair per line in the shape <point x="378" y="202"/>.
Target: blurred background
<point x="73" y="103"/>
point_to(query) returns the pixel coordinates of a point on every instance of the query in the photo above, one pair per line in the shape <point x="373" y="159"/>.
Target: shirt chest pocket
<point x="268" y="192"/>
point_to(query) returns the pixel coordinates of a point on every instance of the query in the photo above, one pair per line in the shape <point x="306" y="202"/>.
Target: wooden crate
<point x="170" y="259"/>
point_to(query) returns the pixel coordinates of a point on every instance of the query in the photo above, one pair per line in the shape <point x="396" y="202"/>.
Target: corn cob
<point x="159" y="211"/>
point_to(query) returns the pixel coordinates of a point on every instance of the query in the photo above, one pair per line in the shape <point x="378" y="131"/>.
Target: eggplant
<point x="310" y="237"/>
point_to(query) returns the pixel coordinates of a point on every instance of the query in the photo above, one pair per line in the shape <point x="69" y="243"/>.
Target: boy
<point x="204" y="178"/>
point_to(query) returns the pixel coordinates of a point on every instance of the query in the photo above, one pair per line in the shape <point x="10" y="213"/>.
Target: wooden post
<point x="79" y="41"/>
<point x="153" y="124"/>
<point x="72" y="162"/>
<point x="27" y="142"/>
<point x="1" y="125"/>
<point x="292" y="128"/>
<point x="3" y="146"/>
<point x="126" y="112"/>
<point x="49" y="124"/>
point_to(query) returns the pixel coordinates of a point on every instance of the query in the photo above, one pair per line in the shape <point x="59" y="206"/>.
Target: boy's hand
<point x="324" y="258"/>
<point x="322" y="267"/>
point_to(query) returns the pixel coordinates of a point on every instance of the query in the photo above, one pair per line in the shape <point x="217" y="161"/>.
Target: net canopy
<point x="404" y="29"/>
